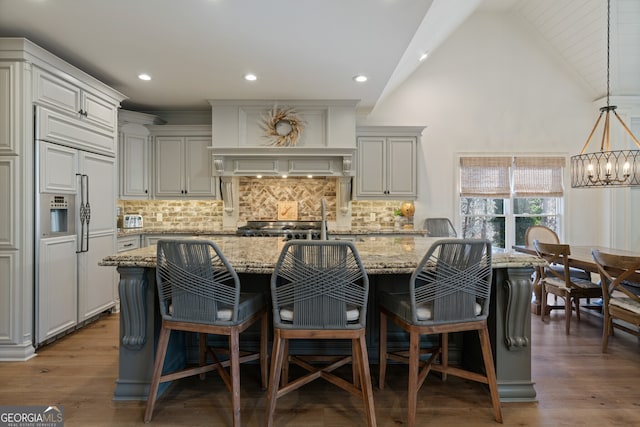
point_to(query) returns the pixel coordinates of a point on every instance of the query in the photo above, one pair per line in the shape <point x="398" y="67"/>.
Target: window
<point x="500" y="197"/>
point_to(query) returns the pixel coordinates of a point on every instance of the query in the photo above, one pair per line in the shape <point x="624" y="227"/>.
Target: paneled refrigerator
<point x="75" y="228"/>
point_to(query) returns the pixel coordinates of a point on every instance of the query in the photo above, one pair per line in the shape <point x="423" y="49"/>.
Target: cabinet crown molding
<point x="390" y="130"/>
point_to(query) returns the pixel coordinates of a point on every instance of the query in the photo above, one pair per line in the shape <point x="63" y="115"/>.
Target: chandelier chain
<point x="608" y="47"/>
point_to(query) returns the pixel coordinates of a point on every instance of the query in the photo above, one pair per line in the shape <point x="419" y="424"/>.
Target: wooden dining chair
<point x="544" y="234"/>
<point x="559" y="282"/>
<point x="319" y="291"/>
<point x="199" y="291"/>
<point x="448" y="292"/>
<point x="618" y="301"/>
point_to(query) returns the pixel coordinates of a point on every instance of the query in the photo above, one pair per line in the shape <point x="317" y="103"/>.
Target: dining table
<point x="580" y="257"/>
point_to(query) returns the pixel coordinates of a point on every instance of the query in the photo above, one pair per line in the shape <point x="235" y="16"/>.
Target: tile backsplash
<point x="258" y="201"/>
<point x="175" y="213"/>
<point x="382" y="210"/>
<point x="259" y="197"/>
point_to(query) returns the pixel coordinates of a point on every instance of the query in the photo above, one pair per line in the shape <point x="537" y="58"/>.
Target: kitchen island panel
<point x="389" y="263"/>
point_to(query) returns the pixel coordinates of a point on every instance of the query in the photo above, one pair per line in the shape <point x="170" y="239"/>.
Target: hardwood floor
<point x="575" y="383"/>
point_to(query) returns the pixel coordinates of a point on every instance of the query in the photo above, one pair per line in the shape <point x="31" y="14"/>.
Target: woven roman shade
<point x="538" y="176"/>
<point x="485" y="177"/>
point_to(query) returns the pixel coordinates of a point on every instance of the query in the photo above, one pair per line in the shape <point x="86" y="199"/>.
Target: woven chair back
<point x="453" y="280"/>
<point x="439" y="227"/>
<point x="321" y="285"/>
<point x="195" y="282"/>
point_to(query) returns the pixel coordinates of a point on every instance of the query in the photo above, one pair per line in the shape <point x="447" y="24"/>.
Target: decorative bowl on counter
<point x="407" y="209"/>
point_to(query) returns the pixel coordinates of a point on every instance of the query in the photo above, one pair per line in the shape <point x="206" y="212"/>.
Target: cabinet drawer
<point x="128" y="243"/>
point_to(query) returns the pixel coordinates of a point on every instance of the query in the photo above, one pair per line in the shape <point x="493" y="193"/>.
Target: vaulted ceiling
<point x="200" y="49"/>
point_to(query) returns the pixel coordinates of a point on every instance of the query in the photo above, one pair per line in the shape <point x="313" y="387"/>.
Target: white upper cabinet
<point x="387" y="162"/>
<point x="134" y="154"/>
<point x="134" y="166"/>
<point x="183" y="162"/>
<point x="53" y="91"/>
<point x="72" y="115"/>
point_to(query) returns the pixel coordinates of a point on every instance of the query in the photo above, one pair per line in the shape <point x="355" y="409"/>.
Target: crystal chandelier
<point x="606" y="168"/>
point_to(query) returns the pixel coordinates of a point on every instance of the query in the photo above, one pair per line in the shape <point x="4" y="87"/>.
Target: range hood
<point x="278" y="161"/>
<point x="326" y="145"/>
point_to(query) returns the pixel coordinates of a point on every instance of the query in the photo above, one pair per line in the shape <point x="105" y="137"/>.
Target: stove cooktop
<point x="288" y="229"/>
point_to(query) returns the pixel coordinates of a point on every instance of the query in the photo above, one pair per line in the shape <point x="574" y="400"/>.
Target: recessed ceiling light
<point x="250" y="77"/>
<point x="423" y="56"/>
<point x="360" y="78"/>
<point x="145" y="77"/>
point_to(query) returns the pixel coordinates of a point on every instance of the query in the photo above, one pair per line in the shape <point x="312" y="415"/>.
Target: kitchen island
<point x="389" y="262"/>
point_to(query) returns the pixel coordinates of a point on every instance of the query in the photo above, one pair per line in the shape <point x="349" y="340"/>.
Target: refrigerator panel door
<point x="96" y="290"/>
<point x="101" y="172"/>
<point x="96" y="283"/>
<point x="57" y="293"/>
<point x="58" y="167"/>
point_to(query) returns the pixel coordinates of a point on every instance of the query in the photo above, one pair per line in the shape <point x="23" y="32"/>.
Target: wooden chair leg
<point x="360" y="353"/>
<point x="274" y="377"/>
<point x="576" y="301"/>
<point x="264" y="358"/>
<point x="355" y="369"/>
<point x="284" y="380"/>
<point x="543" y="301"/>
<point x="382" y="351"/>
<point x="606" y="330"/>
<point x="234" y="341"/>
<point x="491" y="372"/>
<point x="414" y="365"/>
<point x="567" y="313"/>
<point x="163" y="341"/>
<point x="202" y="351"/>
<point x="444" y="354"/>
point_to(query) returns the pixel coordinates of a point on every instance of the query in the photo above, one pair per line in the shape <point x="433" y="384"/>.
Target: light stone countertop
<point x="196" y="231"/>
<point x="217" y="231"/>
<point x="380" y="255"/>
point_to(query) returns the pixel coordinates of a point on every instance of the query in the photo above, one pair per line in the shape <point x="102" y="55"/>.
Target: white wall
<point x="493" y="87"/>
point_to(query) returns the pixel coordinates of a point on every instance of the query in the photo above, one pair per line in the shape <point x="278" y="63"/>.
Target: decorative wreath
<point x="282" y="127"/>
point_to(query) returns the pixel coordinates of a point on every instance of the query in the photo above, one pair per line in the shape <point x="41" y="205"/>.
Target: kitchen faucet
<point x="323" y="231"/>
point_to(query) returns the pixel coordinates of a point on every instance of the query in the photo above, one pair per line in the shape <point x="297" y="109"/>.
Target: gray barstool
<point x="319" y="291"/>
<point x="439" y="227"/>
<point x="449" y="291"/>
<point x="199" y="291"/>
